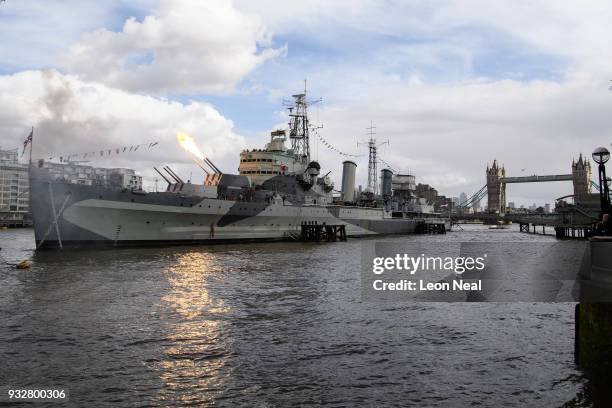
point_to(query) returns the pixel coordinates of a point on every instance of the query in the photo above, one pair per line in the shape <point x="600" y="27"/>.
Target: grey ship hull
<point x="72" y="215"/>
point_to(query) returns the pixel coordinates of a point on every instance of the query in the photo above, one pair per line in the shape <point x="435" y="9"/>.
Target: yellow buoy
<point x="23" y="265"/>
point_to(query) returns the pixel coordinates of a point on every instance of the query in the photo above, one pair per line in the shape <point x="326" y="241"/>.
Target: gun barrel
<point x="162" y="176"/>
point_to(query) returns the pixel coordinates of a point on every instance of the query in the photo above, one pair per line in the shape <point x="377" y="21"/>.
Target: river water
<point x="272" y="324"/>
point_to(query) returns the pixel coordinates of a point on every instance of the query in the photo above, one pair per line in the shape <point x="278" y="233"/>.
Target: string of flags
<point x="387" y="164"/>
<point x="104" y="152"/>
<point x="331" y="147"/>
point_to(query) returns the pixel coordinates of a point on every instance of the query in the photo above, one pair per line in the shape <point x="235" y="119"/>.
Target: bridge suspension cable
<point x="596" y="186"/>
<point x="476" y="197"/>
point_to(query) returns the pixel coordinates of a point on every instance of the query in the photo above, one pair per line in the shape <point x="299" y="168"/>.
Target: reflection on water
<point x="191" y="370"/>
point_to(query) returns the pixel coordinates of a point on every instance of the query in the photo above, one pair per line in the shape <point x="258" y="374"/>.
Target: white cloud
<point x="562" y="27"/>
<point x="187" y="46"/>
<point x="73" y="116"/>
<point x="446" y="135"/>
<point x="446" y="125"/>
<point x="35" y="34"/>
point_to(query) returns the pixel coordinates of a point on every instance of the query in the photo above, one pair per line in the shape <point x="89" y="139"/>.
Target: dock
<point x="435" y="226"/>
<point x="323" y="233"/>
<point x="562" y="231"/>
<point x="574" y="231"/>
<point x="15" y="223"/>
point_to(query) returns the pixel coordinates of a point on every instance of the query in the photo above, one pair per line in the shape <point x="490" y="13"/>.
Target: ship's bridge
<point x="262" y="164"/>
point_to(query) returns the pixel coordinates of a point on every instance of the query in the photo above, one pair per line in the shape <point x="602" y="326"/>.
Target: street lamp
<point x="601" y="155"/>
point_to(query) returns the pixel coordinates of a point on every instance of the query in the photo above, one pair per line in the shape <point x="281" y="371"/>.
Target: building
<point x="14" y="190"/>
<point x="443" y="203"/>
<point x="547" y="208"/>
<point x="14" y="183"/>
<point x="427" y="192"/>
<point x="511" y="205"/>
<point x="430" y="194"/>
<point x="476" y="206"/>
<point x="462" y="198"/>
<point x="75" y="173"/>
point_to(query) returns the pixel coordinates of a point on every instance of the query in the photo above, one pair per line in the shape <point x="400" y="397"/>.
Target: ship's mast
<point x="299" y="126"/>
<point x="372" y="161"/>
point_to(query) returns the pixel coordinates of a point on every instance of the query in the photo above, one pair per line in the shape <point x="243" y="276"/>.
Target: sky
<point x="450" y="85"/>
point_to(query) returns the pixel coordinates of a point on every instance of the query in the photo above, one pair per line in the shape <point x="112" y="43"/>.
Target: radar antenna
<point x="299" y="125"/>
<point x="372" y="161"/>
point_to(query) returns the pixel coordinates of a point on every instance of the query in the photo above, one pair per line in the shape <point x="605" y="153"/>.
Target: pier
<point x="569" y="223"/>
<point x="561" y="231"/>
<point x="15" y="223"/>
<point x="436" y="226"/>
<point x="323" y="233"/>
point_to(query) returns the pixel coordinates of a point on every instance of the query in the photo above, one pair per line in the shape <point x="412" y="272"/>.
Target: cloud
<point x="74" y="116"/>
<point x="453" y="84"/>
<point x="37" y="34"/>
<point x="446" y="134"/>
<point x="187" y="46"/>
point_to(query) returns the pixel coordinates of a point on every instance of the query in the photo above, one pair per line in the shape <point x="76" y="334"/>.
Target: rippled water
<point x="272" y="324"/>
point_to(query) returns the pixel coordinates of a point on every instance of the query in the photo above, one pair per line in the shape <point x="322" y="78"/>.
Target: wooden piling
<point x="430" y="228"/>
<point x="593" y="339"/>
<point x="323" y="233"/>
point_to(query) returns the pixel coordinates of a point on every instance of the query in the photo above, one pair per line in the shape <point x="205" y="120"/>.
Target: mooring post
<point x="593" y="339"/>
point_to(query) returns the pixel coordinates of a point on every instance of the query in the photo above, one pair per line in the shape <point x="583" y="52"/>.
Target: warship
<point x="277" y="190"/>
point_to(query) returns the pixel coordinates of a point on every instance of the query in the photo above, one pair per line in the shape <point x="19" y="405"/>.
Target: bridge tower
<point x="496" y="188"/>
<point x="581" y="178"/>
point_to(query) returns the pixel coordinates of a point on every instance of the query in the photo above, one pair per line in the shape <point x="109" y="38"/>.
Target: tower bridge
<point x="497" y="180"/>
<point x="570" y="220"/>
